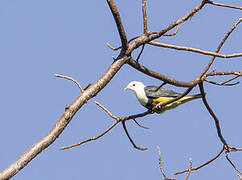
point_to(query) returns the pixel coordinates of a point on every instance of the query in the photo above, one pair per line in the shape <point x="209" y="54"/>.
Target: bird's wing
<point x="151" y="92"/>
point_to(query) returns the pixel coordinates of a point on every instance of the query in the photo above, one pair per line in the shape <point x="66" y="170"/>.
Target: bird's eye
<point x="133" y="84"/>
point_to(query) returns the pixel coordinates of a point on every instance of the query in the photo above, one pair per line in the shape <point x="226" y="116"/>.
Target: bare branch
<point x="157" y="75"/>
<point x="143" y="39"/>
<point x="198" y="167"/>
<point x="184" y="48"/>
<point x="69" y="78"/>
<point x="227" y="157"/>
<point x="145" y="127"/>
<point x="142" y="49"/>
<point x="117" y="120"/>
<point x="213" y="115"/>
<point x="173" y="34"/>
<point x="224" y="5"/>
<point x="220" y="46"/>
<point x="224" y="83"/>
<point x="117" y="48"/>
<point x="107" y="111"/>
<point x="160" y="164"/>
<point x="239" y="73"/>
<point x="113" y="48"/>
<point x="92" y="138"/>
<point x="127" y="133"/>
<point x="119" y="24"/>
<point x="189" y="170"/>
<point x="164" y="83"/>
<point x="144" y="16"/>
<point x="179" y="21"/>
<point x="64" y="120"/>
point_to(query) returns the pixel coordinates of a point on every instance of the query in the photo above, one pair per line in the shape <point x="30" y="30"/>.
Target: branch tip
<point x="72" y="79"/>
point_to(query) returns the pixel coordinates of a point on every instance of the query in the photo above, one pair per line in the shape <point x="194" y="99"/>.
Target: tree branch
<point x="224" y="5"/>
<point x="184" y="48"/>
<point x="63" y="121"/>
<point x="213" y="115"/>
<point x="144" y="16"/>
<point x="119" y="24"/>
<point x="202" y="165"/>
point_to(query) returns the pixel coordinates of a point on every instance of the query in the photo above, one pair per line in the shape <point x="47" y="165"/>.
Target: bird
<point x="150" y="96"/>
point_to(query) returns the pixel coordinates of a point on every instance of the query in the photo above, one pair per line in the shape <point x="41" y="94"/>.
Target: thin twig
<point x="213" y="115"/>
<point x="224" y="83"/>
<point x="145" y="127"/>
<point x="191" y="49"/>
<point x="224" y="5"/>
<point x="92" y="138"/>
<point x="173" y="34"/>
<point x="72" y="79"/>
<point x="189" y="170"/>
<point x="160" y="86"/>
<point x="130" y="139"/>
<point x="113" y="48"/>
<point x="142" y="49"/>
<point x="227" y="157"/>
<point x="160" y="163"/>
<point x="220" y="46"/>
<point x="117" y="48"/>
<point x="144" y="16"/>
<point x="100" y="135"/>
<point x="202" y="165"/>
<point x="107" y="111"/>
<point x="125" y="118"/>
<point x="179" y="21"/>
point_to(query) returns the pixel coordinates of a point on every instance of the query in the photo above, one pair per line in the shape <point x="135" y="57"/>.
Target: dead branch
<point x="227" y="157"/>
<point x="142" y="49"/>
<point x="131" y="140"/>
<point x="224" y="83"/>
<point x="184" y="48"/>
<point x="224" y="5"/>
<point x="123" y="58"/>
<point x="119" y="24"/>
<point x="145" y="127"/>
<point x="213" y="115"/>
<point x="220" y="46"/>
<point x="144" y="16"/>
<point x="160" y="165"/>
<point x="202" y="165"/>
<point x="190" y="169"/>
<point x="117" y="120"/>
<point x="69" y="78"/>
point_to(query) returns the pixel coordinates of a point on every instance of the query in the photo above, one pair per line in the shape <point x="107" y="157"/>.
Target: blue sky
<point x="41" y="38"/>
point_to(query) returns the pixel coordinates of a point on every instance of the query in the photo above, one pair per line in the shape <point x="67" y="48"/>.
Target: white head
<point x="138" y="88"/>
<point x="135" y="86"/>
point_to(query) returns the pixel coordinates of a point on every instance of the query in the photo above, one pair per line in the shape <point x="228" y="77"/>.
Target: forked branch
<point x="117" y="121"/>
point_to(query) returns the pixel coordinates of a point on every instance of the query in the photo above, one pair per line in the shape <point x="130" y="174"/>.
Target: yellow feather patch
<point x="160" y="99"/>
<point x="172" y="105"/>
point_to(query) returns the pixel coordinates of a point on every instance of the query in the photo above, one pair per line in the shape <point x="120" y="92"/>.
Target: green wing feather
<point x="151" y="92"/>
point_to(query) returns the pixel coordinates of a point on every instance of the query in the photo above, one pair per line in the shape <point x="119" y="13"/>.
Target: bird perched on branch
<point x="150" y="96"/>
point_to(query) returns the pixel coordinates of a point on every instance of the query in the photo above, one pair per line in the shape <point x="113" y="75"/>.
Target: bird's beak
<point x="126" y="88"/>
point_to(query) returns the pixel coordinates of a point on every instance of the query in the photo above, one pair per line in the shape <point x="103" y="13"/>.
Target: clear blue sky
<point x="41" y="38"/>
